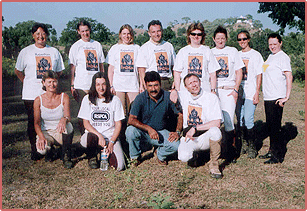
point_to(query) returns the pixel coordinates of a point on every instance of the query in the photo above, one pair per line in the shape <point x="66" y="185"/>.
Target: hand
<point x="173" y="136"/>
<point x="101" y="141"/>
<point x="235" y="95"/>
<point x="174" y="95"/>
<point x="190" y="134"/>
<point x="281" y="102"/>
<point x="62" y="125"/>
<point x="113" y="91"/>
<point x="256" y="98"/>
<point x="41" y="143"/>
<point x="141" y="89"/>
<point x="109" y="149"/>
<point x="153" y="134"/>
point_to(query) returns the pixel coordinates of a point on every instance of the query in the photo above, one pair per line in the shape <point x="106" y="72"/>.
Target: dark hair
<point x="152" y="76"/>
<point x="195" y="26"/>
<point x="275" y="35"/>
<point x="154" y="22"/>
<point x="189" y="76"/>
<point x="84" y="23"/>
<point x="126" y="26"/>
<point x="93" y="93"/>
<point x="248" y="36"/>
<point x="49" y="74"/>
<point x="40" y="25"/>
<point x="220" y="29"/>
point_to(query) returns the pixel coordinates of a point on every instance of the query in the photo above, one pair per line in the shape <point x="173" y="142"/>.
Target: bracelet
<point x="113" y="142"/>
<point x="111" y="87"/>
<point x="72" y="85"/>
<point x="178" y="132"/>
<point x="236" y="91"/>
<point x="66" y="117"/>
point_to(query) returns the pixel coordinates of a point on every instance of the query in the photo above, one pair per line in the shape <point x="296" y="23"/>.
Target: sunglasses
<point x="242" y="39"/>
<point x="198" y="34"/>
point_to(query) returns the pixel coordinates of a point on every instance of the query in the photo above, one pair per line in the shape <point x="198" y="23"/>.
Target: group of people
<point x="174" y="103"/>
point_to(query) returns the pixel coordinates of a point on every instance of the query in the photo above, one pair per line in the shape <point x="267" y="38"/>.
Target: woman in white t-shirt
<point x="228" y="81"/>
<point x="32" y="62"/>
<point x="52" y="121"/>
<point x="276" y="86"/>
<point x="122" y="71"/>
<point x="195" y="58"/>
<point x="248" y="93"/>
<point x="102" y="113"/>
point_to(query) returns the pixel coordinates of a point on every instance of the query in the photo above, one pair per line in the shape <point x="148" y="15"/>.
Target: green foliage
<point x="8" y="67"/>
<point x="181" y="31"/>
<point x="160" y="201"/>
<point x="284" y="14"/>
<point x="18" y="37"/>
<point x="141" y="39"/>
<point x="168" y="34"/>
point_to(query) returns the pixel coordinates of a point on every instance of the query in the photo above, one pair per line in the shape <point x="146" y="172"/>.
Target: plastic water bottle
<point x="104" y="160"/>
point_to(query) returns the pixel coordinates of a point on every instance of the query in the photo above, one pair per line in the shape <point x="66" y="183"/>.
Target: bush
<point x="8" y="67"/>
<point x="298" y="67"/>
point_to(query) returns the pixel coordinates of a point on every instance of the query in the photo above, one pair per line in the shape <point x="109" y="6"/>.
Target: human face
<point x="125" y="36"/>
<point x="195" y="37"/>
<point x="153" y="89"/>
<point x="101" y="87"/>
<point x="243" y="41"/>
<point x="193" y="85"/>
<point x="220" y="40"/>
<point x="274" y="45"/>
<point x="155" y="33"/>
<point x="40" y="38"/>
<point x="85" y="33"/>
<point x="51" y="84"/>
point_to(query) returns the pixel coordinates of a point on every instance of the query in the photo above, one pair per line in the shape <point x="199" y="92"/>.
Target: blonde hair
<point x="126" y="26"/>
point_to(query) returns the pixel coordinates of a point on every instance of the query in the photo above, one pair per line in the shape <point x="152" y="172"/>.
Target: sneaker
<point x="266" y="156"/>
<point x="92" y="163"/>
<point x="162" y="162"/>
<point x="135" y="162"/>
<point x="272" y="160"/>
<point x="36" y="156"/>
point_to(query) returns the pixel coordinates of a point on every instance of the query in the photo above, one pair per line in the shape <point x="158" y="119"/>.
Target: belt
<point x="165" y="78"/>
<point x="226" y="87"/>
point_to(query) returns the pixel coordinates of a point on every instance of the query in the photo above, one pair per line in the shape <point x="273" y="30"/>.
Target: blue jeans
<point x="139" y="141"/>
<point x="245" y="111"/>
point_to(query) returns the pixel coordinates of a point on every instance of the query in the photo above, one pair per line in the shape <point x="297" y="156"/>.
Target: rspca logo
<point x="100" y="116"/>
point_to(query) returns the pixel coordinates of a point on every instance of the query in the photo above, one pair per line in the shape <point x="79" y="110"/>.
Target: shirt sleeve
<point x="173" y="55"/>
<point x="259" y="63"/>
<point x="178" y="64"/>
<point x="85" y="109"/>
<point x="59" y="62"/>
<point x="71" y="55"/>
<point x="215" y="109"/>
<point x="285" y="63"/>
<point x="20" y="66"/>
<point x="141" y="59"/>
<point x="110" y="57"/>
<point x="101" y="58"/>
<point x="213" y="65"/>
<point x="238" y="61"/>
<point x="136" y="106"/>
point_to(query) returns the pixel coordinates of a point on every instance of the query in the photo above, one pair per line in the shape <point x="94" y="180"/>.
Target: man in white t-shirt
<point x="202" y="117"/>
<point x="85" y="58"/>
<point x="156" y="55"/>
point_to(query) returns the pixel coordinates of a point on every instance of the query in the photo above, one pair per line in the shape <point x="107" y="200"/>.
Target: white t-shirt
<point x="273" y="78"/>
<point x="34" y="62"/>
<point x="253" y="66"/>
<point x="196" y="60"/>
<point x="200" y="109"/>
<point x="157" y="58"/>
<point x="123" y="58"/>
<point x="103" y="116"/>
<point x="229" y="61"/>
<point x="86" y="57"/>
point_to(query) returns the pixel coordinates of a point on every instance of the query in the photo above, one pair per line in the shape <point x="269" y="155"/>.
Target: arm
<point x="173" y="136"/>
<point x="66" y="118"/>
<point x="101" y="67"/>
<point x="258" y="84"/>
<point x="118" y="126"/>
<point x="205" y="126"/>
<point x="238" y="82"/>
<point x="91" y="129"/>
<point x="110" y="75"/>
<point x="42" y="141"/>
<point x="141" y="71"/>
<point x="289" y="79"/>
<point x="19" y="75"/>
<point x="213" y="81"/>
<point x="132" y="120"/>
<point x="174" y="94"/>
<point x="72" y="72"/>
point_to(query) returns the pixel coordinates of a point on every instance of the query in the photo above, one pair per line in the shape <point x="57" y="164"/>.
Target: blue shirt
<point x="154" y="114"/>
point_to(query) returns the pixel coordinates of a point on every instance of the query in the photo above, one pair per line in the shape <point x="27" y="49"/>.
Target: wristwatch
<point x="178" y="132"/>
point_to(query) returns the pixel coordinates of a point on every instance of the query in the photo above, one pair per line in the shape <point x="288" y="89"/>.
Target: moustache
<point x="154" y="91"/>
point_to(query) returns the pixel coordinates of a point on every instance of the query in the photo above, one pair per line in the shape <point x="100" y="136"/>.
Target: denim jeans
<point x="139" y="141"/>
<point x="245" y="111"/>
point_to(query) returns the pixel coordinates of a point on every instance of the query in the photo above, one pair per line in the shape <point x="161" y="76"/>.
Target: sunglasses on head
<point x="198" y="34"/>
<point x="242" y="39"/>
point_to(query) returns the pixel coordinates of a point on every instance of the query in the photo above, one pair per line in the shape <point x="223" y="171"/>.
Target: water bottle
<point x="104" y="160"/>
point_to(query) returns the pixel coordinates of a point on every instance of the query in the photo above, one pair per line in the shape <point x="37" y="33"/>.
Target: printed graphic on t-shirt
<point x="100" y="118"/>
<point x="245" y="69"/>
<point x="195" y="65"/>
<point x="91" y="60"/>
<point x="126" y="62"/>
<point x="264" y="67"/>
<point x="162" y="62"/>
<point x="194" y="114"/>
<point x="224" y="71"/>
<point x="43" y="63"/>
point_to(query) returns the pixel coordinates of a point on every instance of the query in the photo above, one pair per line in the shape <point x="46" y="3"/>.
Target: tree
<point x="186" y="19"/>
<point x="168" y="34"/>
<point x="285" y="14"/>
<point x="99" y="32"/>
<point x="18" y="37"/>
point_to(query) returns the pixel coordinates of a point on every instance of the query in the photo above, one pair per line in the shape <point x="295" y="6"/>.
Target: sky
<point x="115" y="14"/>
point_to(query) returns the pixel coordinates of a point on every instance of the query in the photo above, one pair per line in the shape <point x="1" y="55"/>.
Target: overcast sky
<point x="113" y="15"/>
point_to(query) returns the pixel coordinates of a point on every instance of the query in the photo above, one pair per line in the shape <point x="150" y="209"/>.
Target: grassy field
<point x="247" y="184"/>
